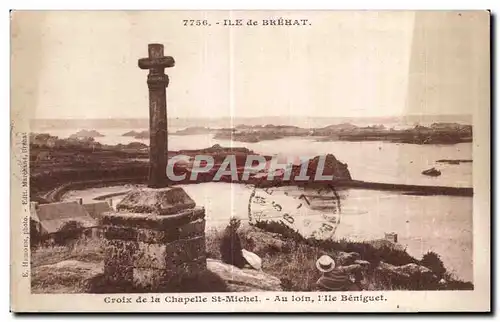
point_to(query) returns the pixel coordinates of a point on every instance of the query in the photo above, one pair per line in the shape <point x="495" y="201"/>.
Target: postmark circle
<point x="314" y="211"/>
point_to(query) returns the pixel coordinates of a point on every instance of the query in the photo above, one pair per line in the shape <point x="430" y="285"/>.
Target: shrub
<point x="432" y="261"/>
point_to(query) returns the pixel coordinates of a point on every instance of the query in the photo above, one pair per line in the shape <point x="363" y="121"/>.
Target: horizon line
<point x="255" y="117"/>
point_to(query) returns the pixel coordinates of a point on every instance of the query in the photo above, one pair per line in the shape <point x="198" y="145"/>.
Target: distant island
<point x="454" y="161"/>
<point x="45" y="125"/>
<point x="82" y="134"/>
<point x="437" y="133"/>
<point x="194" y="130"/>
<point x="257" y="133"/>
<point x="137" y="135"/>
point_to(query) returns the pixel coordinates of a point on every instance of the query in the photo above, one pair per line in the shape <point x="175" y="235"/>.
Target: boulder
<point x="413" y="269"/>
<point x="405" y="270"/>
<point x="433" y="172"/>
<point x="344" y="259"/>
<point x="363" y="263"/>
<point x="262" y="243"/>
<point x="244" y="280"/>
<point x="409" y="276"/>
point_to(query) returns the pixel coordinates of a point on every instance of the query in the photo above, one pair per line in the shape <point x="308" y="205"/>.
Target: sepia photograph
<point x="266" y="158"/>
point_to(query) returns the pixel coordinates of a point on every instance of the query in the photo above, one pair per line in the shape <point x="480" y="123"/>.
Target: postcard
<point x="250" y="161"/>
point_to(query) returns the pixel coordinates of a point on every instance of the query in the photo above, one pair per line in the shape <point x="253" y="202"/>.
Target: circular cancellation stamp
<point x="313" y="211"/>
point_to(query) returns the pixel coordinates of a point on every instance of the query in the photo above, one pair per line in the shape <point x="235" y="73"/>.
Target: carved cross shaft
<point x="158" y="135"/>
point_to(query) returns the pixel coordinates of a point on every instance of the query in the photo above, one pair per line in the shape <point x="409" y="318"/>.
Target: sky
<point x="344" y="64"/>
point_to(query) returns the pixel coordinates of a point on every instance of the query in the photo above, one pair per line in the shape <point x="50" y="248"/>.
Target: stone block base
<point x="148" y="250"/>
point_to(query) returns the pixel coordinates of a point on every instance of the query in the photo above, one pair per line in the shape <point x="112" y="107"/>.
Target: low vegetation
<point x="281" y="262"/>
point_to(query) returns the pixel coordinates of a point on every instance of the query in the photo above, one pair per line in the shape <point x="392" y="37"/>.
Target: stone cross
<point x="158" y="135"/>
<point x="156" y="236"/>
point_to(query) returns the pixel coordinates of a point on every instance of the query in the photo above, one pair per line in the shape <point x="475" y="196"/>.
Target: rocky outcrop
<point x="248" y="137"/>
<point x="463" y="128"/>
<point x="244" y="280"/>
<point x="408" y="270"/>
<point x="262" y="243"/>
<point x="409" y="276"/>
<point x="332" y="167"/>
<point x="218" y="149"/>
<point x="257" y="133"/>
<point x="433" y="172"/>
<point x="413" y="269"/>
<point x="344" y="259"/>
<point x="331" y="130"/>
<point x="437" y="133"/>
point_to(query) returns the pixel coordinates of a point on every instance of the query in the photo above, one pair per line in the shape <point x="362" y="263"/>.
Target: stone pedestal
<point x="155" y="237"/>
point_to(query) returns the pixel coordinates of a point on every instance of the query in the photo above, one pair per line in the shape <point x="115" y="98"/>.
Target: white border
<point x="185" y="4"/>
<point x="256" y="4"/>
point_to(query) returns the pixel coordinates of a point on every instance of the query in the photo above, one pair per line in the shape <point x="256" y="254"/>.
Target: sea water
<point x="423" y="223"/>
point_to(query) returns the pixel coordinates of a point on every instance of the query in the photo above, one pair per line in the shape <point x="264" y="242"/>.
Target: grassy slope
<point x="51" y="280"/>
<point x="293" y="264"/>
<point x="307" y="251"/>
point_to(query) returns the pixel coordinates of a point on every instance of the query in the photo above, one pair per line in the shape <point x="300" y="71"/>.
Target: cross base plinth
<point x="156" y="238"/>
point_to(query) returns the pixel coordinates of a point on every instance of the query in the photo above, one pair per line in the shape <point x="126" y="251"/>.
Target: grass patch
<point x="293" y="262"/>
<point x="83" y="259"/>
<point x="84" y="249"/>
<point x="367" y="251"/>
<point x="307" y="250"/>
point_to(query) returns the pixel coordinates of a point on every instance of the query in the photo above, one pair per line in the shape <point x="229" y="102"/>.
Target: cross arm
<point x="160" y="62"/>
